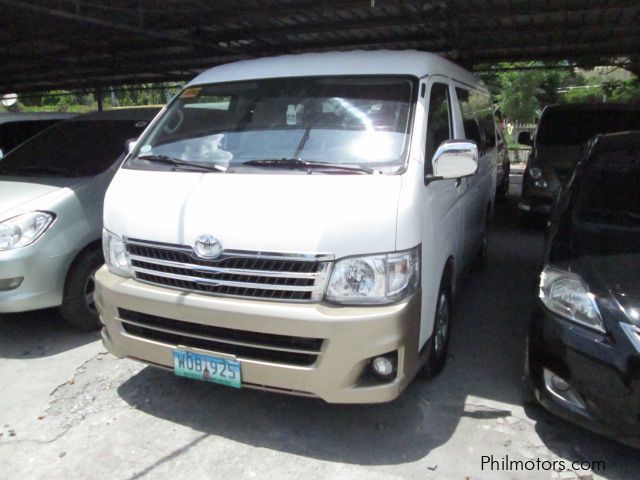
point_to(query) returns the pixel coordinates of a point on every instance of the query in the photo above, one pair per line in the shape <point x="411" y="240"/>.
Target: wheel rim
<point x="441" y="326"/>
<point x="89" y="288"/>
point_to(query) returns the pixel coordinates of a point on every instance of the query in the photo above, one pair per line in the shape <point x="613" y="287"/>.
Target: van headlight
<point x="566" y="294"/>
<point x="24" y="229"/>
<point x="115" y="254"/>
<point x="375" y="279"/>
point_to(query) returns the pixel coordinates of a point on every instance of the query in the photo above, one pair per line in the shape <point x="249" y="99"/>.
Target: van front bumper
<point x="351" y="337"/>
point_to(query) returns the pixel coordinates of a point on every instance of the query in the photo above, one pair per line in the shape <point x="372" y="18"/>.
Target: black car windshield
<point x="355" y="121"/>
<point x="609" y="191"/>
<point x="75" y="148"/>
<point x="561" y="127"/>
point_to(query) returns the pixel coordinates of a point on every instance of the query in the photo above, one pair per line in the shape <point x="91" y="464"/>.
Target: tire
<point x="438" y="347"/>
<point x="503" y="191"/>
<point x="527" y="390"/>
<point x="482" y="257"/>
<point x="78" y="308"/>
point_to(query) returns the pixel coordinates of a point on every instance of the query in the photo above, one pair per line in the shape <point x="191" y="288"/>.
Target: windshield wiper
<point x="177" y="162"/>
<point x="297" y="163"/>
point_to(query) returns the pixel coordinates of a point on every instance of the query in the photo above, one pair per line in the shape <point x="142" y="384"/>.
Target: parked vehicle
<point x="17" y="127"/>
<point x="278" y="227"/>
<point x="584" y="344"/>
<point x="562" y="133"/>
<point x="51" y="193"/>
<point x="503" y="169"/>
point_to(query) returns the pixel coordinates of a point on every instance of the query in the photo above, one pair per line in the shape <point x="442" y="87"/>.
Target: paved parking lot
<point x="69" y="410"/>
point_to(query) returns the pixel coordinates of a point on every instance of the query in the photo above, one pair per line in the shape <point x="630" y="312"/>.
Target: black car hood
<point x="610" y="264"/>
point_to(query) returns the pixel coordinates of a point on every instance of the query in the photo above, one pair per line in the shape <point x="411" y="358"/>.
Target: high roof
<point x="380" y="62"/>
<point x="52" y="44"/>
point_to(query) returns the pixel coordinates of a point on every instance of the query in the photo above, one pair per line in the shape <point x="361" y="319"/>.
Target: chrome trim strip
<point x="164" y="246"/>
<point x="633" y="333"/>
<point x="216" y="339"/>
<point x="315" y="296"/>
<point x="237" y="271"/>
<point x="304" y="257"/>
<point x="226" y="283"/>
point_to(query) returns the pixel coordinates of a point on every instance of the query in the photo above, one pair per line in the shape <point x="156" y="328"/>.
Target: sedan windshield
<point x="75" y="148"/>
<point x="558" y="127"/>
<point x="284" y="124"/>
<point x="609" y="193"/>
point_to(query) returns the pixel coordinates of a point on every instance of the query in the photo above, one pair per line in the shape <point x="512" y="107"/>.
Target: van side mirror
<point x="454" y="159"/>
<point x="524" y="138"/>
<point x="129" y="143"/>
<point x="1" y="154"/>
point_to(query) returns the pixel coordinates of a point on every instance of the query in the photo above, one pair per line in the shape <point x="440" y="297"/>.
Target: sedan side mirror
<point x="454" y="159"/>
<point x="524" y="138"/>
<point x="129" y="143"/>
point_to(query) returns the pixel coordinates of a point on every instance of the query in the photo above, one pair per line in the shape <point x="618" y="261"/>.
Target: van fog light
<point x="10" y="283"/>
<point x="384" y="367"/>
<point x="541" y="183"/>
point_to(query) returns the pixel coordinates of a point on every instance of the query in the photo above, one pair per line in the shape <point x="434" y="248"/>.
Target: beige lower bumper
<point x="352" y="335"/>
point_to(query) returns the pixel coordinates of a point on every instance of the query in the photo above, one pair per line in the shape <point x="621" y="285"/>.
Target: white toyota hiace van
<point x="299" y="224"/>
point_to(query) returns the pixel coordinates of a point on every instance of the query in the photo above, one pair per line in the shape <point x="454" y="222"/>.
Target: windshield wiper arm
<point x="297" y="163"/>
<point x="177" y="162"/>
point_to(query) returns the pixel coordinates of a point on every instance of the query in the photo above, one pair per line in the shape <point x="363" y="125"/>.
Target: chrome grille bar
<point x="260" y="275"/>
<point x="237" y="271"/>
<point x="215" y="283"/>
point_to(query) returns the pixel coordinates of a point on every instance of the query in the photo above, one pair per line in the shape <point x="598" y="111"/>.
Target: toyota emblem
<point x="208" y="246"/>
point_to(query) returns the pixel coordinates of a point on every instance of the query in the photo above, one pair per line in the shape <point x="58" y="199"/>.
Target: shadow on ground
<point x="38" y="334"/>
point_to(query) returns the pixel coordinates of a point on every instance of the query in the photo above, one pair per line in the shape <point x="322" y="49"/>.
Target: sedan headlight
<point x="375" y="279"/>
<point x="24" y="229"/>
<point x="115" y="254"/>
<point x="535" y="173"/>
<point x="566" y="294"/>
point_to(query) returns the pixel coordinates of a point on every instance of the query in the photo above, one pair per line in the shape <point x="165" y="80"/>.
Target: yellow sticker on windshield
<point x="190" y="92"/>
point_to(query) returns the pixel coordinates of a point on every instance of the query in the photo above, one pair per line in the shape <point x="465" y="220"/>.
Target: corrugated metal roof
<point x="47" y="44"/>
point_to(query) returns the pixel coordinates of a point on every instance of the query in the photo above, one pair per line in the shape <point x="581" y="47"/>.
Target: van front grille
<point x="285" y="349"/>
<point x="259" y="275"/>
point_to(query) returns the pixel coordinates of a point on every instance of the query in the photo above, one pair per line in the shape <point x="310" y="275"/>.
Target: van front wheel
<point x="439" y="341"/>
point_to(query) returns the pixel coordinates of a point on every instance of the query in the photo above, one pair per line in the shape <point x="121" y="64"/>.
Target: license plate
<point x="207" y="368"/>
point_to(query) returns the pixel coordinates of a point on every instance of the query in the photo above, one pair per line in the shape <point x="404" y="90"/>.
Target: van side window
<point x="477" y="118"/>
<point x="438" y="121"/>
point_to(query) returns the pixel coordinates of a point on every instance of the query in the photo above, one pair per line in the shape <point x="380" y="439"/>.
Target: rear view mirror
<point x="129" y="144"/>
<point x="454" y="159"/>
<point x="524" y="138"/>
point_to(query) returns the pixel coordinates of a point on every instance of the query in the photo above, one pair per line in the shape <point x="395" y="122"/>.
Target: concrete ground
<point x="69" y="410"/>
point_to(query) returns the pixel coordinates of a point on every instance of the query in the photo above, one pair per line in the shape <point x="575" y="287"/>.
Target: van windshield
<point x="559" y="127"/>
<point x="342" y="121"/>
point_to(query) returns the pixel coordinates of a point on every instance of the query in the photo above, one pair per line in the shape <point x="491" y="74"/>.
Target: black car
<point x="560" y="140"/>
<point x="583" y="359"/>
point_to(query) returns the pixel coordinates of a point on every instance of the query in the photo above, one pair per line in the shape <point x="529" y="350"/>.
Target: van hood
<point x="280" y="212"/>
<point x="16" y="192"/>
